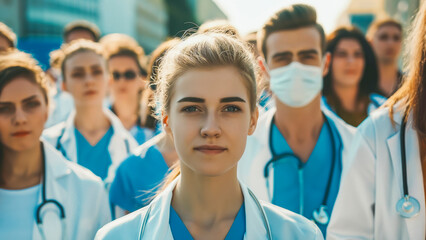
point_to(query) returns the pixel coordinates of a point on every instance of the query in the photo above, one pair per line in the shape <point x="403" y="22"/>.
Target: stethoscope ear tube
<point x="46" y="201"/>
<point x="407" y="206"/>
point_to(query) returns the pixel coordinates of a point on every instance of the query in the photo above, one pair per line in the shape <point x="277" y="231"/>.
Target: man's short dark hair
<point x="82" y="25"/>
<point x="290" y="18"/>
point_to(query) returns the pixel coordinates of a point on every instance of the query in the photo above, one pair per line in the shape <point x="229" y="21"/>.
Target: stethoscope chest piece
<point x="321" y="216"/>
<point x="408" y="207"/>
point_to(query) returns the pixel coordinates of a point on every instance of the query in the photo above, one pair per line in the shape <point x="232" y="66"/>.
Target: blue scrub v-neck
<point x="180" y="232"/>
<point x="300" y="187"/>
<point x="95" y="158"/>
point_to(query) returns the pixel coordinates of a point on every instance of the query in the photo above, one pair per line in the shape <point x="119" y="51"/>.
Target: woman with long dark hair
<point x="351" y="87"/>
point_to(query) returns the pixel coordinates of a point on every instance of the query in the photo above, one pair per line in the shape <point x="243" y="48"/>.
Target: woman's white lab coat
<point x="80" y="192"/>
<point x="366" y="204"/>
<point x="257" y="154"/>
<point x="62" y="137"/>
<point x="261" y="218"/>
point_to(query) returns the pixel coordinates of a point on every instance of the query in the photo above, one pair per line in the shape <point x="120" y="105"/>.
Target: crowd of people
<point x="286" y="133"/>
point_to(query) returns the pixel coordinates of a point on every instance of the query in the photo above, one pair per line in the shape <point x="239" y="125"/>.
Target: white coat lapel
<point x="255" y="226"/>
<point x="158" y="221"/>
<point x="260" y="154"/>
<point x="55" y="170"/>
<point x="67" y="140"/>
<point x="119" y="147"/>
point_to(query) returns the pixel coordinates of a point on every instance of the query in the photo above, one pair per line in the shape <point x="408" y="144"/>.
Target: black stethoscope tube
<point x="44" y="200"/>
<point x="403" y="155"/>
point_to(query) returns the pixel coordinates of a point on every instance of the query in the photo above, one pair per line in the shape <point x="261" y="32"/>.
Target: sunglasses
<point x="127" y="75"/>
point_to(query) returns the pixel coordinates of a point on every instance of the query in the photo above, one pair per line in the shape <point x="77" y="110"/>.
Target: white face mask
<point x="296" y="84"/>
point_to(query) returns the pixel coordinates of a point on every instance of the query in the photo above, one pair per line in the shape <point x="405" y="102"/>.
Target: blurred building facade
<point x="39" y="23"/>
<point x="362" y="12"/>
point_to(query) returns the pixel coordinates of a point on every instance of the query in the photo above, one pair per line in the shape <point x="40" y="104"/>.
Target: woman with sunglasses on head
<point x="92" y="135"/>
<point x="139" y="176"/>
<point x="207" y="97"/>
<point x="127" y="82"/>
<point x="351" y="86"/>
<point x="42" y="195"/>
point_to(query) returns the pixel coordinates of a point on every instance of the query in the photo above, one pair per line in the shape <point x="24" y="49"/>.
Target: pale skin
<point x="387" y="43"/>
<point x="348" y="66"/>
<point x="86" y="80"/>
<point x="299" y="126"/>
<point x="23" y="112"/>
<point x="125" y="91"/>
<point x="214" y="104"/>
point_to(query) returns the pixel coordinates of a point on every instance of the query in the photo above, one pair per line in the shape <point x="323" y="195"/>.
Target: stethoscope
<point x="407" y="206"/>
<point x="143" y="224"/>
<point x="45" y="202"/>
<point x="320" y="215"/>
<point x="62" y="150"/>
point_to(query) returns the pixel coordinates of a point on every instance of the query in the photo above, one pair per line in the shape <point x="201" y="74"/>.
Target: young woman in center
<point x="92" y="136"/>
<point x="207" y="93"/>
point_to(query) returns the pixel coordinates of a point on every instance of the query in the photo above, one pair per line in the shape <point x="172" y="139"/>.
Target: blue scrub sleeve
<point x="121" y="192"/>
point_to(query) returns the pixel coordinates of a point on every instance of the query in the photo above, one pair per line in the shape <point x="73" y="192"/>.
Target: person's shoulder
<point x="83" y="174"/>
<point x="54" y="131"/>
<point x="291" y="225"/>
<point x="126" y="227"/>
<point x="379" y="119"/>
<point x="141" y="156"/>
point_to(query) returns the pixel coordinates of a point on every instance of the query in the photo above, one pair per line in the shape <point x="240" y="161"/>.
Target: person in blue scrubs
<point x="92" y="135"/>
<point x="351" y="86"/>
<point x="139" y="176"/>
<point x="294" y="159"/>
<point x="207" y="98"/>
<point x="127" y="82"/>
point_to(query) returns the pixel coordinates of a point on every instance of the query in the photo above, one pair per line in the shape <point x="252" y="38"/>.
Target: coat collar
<point x="121" y="143"/>
<point x="157" y="227"/>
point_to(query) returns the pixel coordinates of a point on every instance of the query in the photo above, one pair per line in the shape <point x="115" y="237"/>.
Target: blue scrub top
<point x="141" y="134"/>
<point x="300" y="187"/>
<point x="180" y="232"/>
<point x="137" y="179"/>
<point x="95" y="158"/>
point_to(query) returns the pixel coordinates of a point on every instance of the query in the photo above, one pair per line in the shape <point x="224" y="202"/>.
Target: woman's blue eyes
<point x="190" y="109"/>
<point x="230" y="108"/>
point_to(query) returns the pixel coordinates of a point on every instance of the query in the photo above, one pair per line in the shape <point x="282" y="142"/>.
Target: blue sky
<point x="249" y="15"/>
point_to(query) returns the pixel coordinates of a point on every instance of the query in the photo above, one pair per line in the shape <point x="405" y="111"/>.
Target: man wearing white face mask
<point x="294" y="159"/>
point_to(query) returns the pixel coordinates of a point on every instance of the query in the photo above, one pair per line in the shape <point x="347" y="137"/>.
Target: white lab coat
<point x="374" y="178"/>
<point x="257" y="153"/>
<point x="120" y="145"/>
<point x="80" y="192"/>
<point x="261" y="218"/>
